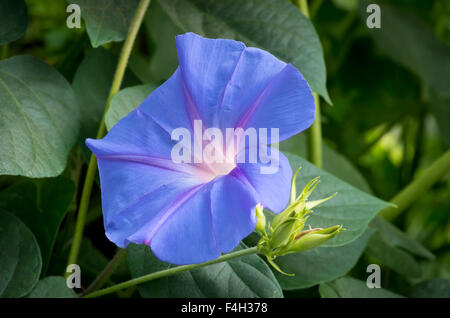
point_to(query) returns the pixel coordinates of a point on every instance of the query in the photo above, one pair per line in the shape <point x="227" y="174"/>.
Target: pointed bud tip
<point x="260" y="219"/>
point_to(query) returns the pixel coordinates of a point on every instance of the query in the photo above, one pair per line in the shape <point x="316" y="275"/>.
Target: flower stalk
<point x="315" y="137"/>
<point x="92" y="168"/>
<point x="315" y="131"/>
<point x="412" y="192"/>
<point x="107" y="271"/>
<point x="169" y="272"/>
<point x="3" y="52"/>
<point x="286" y="234"/>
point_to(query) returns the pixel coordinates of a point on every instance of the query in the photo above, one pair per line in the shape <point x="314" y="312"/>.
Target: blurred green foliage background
<point x="389" y="119"/>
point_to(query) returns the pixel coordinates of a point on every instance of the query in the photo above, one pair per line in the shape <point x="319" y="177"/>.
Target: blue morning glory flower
<point x="192" y="211"/>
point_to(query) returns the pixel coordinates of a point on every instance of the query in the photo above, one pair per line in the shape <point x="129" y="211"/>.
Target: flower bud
<point x="285" y="234"/>
<point x="309" y="239"/>
<point x="260" y="219"/>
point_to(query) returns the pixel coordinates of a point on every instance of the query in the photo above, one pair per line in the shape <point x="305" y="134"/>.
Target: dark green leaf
<point x="414" y="45"/>
<point x="92" y="83"/>
<point x="13" y="20"/>
<point x="411" y="43"/>
<point x="348" y="287"/>
<point x="320" y="264"/>
<point x="394" y="258"/>
<point x="434" y="288"/>
<point x="20" y="259"/>
<point x="397" y="238"/>
<point x="162" y="30"/>
<point x="92" y="262"/>
<point x="52" y="287"/>
<point x="333" y="162"/>
<point x="41" y="210"/>
<point x="248" y="276"/>
<point x="351" y="207"/>
<point x="125" y="101"/>
<point x="107" y="20"/>
<point x="273" y="25"/>
<point x="39" y="118"/>
<point x="441" y="109"/>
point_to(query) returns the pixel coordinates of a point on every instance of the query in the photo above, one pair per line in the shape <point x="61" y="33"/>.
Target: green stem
<point x="315" y="131"/>
<point x="107" y="272"/>
<point x="169" y="272"/>
<point x="315" y="137"/>
<point x="416" y="188"/>
<point x="303" y="6"/>
<point x="375" y="140"/>
<point x="92" y="168"/>
<point x="315" y="8"/>
<point x="4" y="52"/>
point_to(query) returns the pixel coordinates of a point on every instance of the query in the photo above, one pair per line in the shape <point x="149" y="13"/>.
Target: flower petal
<point x="186" y="234"/>
<point x="285" y="103"/>
<point x="254" y="72"/>
<point x="135" y="195"/>
<point x="270" y="180"/>
<point x="167" y="105"/>
<point x="137" y="134"/>
<point x="206" y="66"/>
<point x="183" y="214"/>
<point x="233" y="211"/>
<point x="214" y="220"/>
<point x="229" y="85"/>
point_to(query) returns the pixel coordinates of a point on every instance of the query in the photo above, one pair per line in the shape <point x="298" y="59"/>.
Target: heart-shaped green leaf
<point x="39" y="118"/>
<point x="348" y="287"/>
<point x="394" y="258"/>
<point x="13" y="20"/>
<point x="41" y="210"/>
<point x="52" y="287"/>
<point x="20" y="259"/>
<point x="248" y="276"/>
<point x="397" y="238"/>
<point x="107" y="20"/>
<point x="125" y="101"/>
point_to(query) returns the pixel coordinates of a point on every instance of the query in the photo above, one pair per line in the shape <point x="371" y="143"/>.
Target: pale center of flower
<point x="216" y="163"/>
